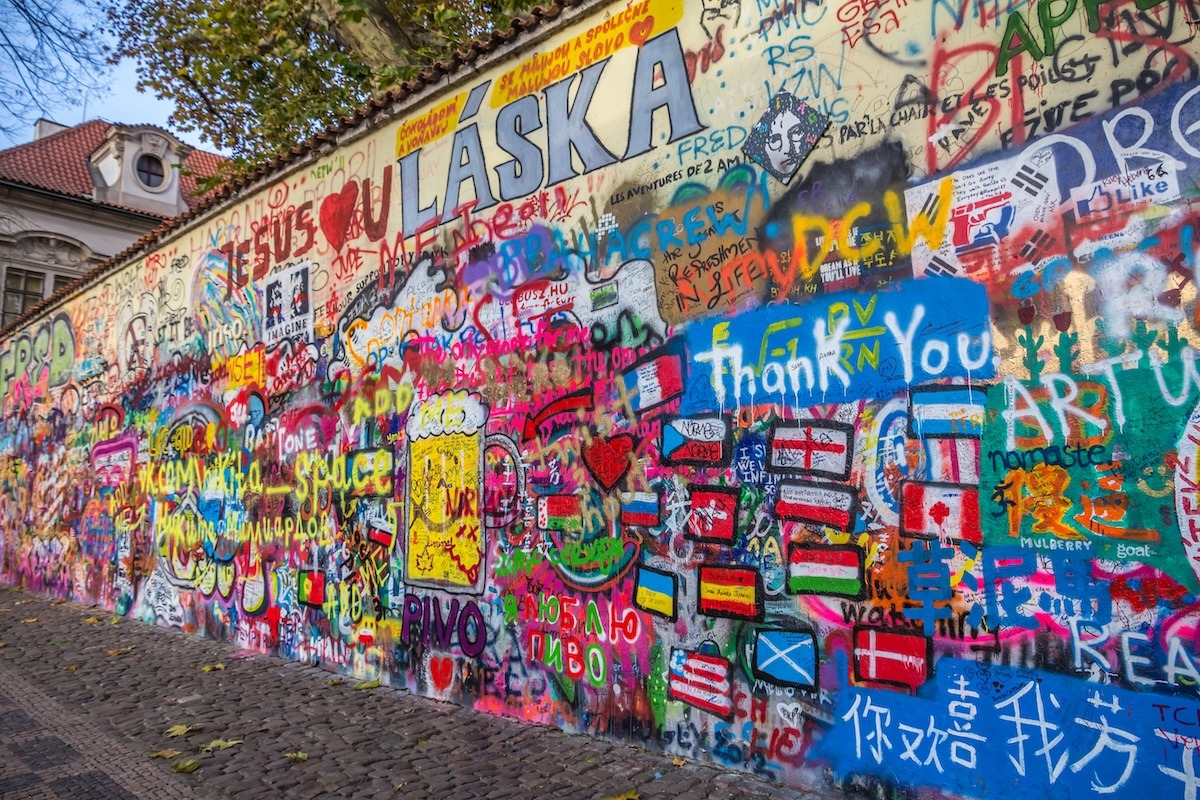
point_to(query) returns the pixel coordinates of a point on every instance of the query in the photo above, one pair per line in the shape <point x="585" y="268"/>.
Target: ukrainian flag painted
<point x="655" y="592"/>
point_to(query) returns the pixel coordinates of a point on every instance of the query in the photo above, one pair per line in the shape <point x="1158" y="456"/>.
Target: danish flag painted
<point x="900" y="659"/>
<point x="941" y="511"/>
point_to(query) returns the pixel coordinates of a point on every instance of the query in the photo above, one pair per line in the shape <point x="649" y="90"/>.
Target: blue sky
<point x="123" y="103"/>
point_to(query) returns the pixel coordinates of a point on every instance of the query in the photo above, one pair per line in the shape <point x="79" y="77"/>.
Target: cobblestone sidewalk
<point x="80" y="716"/>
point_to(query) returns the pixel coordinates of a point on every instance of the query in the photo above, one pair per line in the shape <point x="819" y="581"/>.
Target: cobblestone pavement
<point x="79" y="719"/>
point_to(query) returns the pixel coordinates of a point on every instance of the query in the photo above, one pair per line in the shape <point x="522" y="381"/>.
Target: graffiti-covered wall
<point x="808" y="387"/>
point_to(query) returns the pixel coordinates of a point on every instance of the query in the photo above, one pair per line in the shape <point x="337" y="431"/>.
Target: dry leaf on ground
<point x="114" y="620"/>
<point x="628" y="794"/>
<point x="168" y="753"/>
<point x="336" y="681"/>
<point x="677" y="761"/>
<point x="28" y="620"/>
<point x="58" y="601"/>
<point x="3" y="645"/>
<point x="180" y="730"/>
<point x="212" y="667"/>
<point x="119" y="651"/>
<point x="70" y="668"/>
<point x="367" y="685"/>
<point x="219" y="744"/>
<point x="186" y="765"/>
<point x="297" y="756"/>
<point x="92" y="620"/>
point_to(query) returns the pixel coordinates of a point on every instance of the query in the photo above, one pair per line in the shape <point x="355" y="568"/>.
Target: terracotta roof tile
<point x="59" y="163"/>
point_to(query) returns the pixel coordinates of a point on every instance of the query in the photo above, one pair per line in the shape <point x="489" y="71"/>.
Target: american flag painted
<point x="701" y="681"/>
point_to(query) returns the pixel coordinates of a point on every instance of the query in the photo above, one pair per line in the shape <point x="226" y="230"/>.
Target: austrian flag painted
<point x="898" y="659"/>
<point x="816" y="503"/>
<point x="701" y="681"/>
<point x="812" y="447"/>
<point x="654" y="380"/>
<point x="940" y="511"/>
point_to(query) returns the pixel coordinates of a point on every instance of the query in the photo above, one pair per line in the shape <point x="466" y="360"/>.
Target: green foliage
<point x="257" y="78"/>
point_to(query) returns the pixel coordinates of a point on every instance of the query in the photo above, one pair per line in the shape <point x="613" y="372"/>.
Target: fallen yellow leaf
<point x="366" y="686"/>
<point x="3" y="645"/>
<point x="219" y="744"/>
<point x="677" y="761"/>
<point x="92" y="620"/>
<point x="297" y="756"/>
<point x="186" y="765"/>
<point x="28" y="620"/>
<point x="114" y="620"/>
<point x="119" y="651"/>
<point x="180" y="730"/>
<point x="168" y="753"/>
<point x="212" y="667"/>
<point x="70" y="668"/>
<point x="336" y="681"/>
<point x="58" y="601"/>
<point x="628" y="794"/>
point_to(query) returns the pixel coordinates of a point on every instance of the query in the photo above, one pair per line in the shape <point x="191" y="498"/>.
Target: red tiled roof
<point x="59" y="163"/>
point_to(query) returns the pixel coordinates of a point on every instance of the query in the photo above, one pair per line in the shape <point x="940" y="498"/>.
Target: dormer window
<point x="150" y="171"/>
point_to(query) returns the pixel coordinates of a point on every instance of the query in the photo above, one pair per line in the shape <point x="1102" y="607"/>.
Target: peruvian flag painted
<point x="940" y="511"/>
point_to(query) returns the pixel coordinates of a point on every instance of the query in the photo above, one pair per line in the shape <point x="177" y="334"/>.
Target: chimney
<point x="46" y="127"/>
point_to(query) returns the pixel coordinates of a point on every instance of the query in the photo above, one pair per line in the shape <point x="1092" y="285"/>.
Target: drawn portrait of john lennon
<point x="784" y="136"/>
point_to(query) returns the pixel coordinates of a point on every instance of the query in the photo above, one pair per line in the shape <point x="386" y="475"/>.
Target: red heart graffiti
<point x="337" y="210"/>
<point x="639" y="32"/>
<point x="608" y="460"/>
<point x="441" y="670"/>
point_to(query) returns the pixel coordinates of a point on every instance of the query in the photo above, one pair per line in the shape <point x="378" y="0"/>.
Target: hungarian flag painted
<point x="701" y="681"/>
<point x="940" y="511"/>
<point x="825" y="570"/>
<point x="654" y="381"/>
<point x="882" y="656"/>
<point x="731" y="592"/>
<point x="813" y="447"/>
<point x="816" y="503"/>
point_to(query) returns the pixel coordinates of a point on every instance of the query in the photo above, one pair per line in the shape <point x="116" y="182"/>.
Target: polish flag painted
<point x="816" y="503"/>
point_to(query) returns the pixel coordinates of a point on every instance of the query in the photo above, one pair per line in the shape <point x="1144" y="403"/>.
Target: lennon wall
<point x="608" y="388"/>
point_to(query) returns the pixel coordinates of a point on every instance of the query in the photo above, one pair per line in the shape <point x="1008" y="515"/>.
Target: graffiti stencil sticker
<point x="445" y="472"/>
<point x="288" y="316"/>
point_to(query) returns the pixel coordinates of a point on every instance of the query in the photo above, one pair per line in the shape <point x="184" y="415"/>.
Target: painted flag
<point x="816" y="503"/>
<point x="812" y="447"/>
<point x="311" y="587"/>
<point x="641" y="508"/>
<point x="899" y="659"/>
<point x="952" y="460"/>
<point x="701" y="681"/>
<point x="946" y="411"/>
<point x="654" y="381"/>
<point x="735" y="592"/>
<point x="655" y="591"/>
<point x="559" y="512"/>
<point x="786" y="658"/>
<point x="940" y="511"/>
<point x="713" y="513"/>
<point x="825" y="570"/>
<point x="697" y="441"/>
